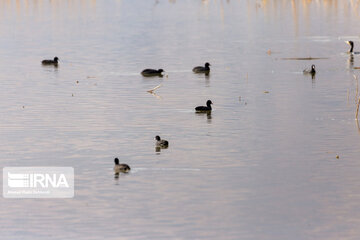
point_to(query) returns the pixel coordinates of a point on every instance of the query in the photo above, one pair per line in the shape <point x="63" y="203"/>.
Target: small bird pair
<point x="124" y="168"/>
<point x="153" y="72"/>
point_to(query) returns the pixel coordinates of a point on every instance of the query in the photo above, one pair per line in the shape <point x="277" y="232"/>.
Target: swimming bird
<point x="152" y="72"/>
<point x="206" y="108"/>
<point x="51" y="62"/>
<point x="311" y="71"/>
<point x="161" y="143"/>
<point x="351" y="43"/>
<point x="120" y="167"/>
<point x="200" y="69"/>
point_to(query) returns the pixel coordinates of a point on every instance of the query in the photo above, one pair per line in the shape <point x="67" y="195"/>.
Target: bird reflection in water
<point x="116" y="175"/>
<point x="158" y="149"/>
<point x="351" y="61"/>
<point x="313" y="81"/>
<point x="207" y="76"/>
<point x="208" y="115"/>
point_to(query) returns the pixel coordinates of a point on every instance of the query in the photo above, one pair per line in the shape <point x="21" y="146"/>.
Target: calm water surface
<point x="262" y="166"/>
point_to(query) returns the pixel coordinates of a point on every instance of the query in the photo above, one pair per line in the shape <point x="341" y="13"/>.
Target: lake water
<point x="263" y="166"/>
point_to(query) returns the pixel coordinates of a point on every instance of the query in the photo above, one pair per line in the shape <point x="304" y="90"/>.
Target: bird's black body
<point x="201" y="69"/>
<point x="121" y="167"/>
<point x="51" y="62"/>
<point x="152" y="72"/>
<point x="206" y="108"/>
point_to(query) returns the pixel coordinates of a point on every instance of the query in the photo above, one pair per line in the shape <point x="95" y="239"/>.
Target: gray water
<point x="263" y="166"/>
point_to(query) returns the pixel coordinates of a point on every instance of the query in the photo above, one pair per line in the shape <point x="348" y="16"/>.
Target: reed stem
<point x="357" y="110"/>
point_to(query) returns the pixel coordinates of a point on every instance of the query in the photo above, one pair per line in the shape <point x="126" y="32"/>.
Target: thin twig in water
<point x="357" y="110"/>
<point x="155" y="95"/>
<point x="152" y="90"/>
<point x="303" y="58"/>
<point x="357" y="88"/>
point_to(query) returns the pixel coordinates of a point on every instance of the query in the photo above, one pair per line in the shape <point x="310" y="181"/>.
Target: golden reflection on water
<point x="303" y="12"/>
<point x="300" y="9"/>
<point x="331" y="7"/>
<point x="25" y="6"/>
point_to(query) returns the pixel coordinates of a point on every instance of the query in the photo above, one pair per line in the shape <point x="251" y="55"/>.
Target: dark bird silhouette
<point x="351" y="43"/>
<point x="206" y="108"/>
<point x="201" y="69"/>
<point x="152" y="72"/>
<point x="51" y="62"/>
<point x="311" y="71"/>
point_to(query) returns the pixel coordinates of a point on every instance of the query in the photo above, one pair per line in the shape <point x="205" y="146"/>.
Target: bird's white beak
<point x="347" y="42"/>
